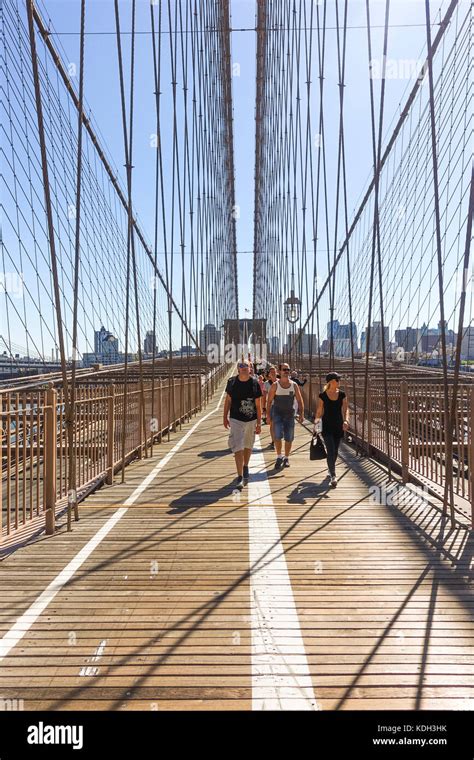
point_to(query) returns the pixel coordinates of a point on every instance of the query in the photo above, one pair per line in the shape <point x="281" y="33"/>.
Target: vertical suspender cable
<point x="71" y="417"/>
<point x="434" y="155"/>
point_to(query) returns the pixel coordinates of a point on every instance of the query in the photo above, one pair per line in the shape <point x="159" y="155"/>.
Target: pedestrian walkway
<point x="175" y="591"/>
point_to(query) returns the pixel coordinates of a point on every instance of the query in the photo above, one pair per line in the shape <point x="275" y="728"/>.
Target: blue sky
<point x="406" y="41"/>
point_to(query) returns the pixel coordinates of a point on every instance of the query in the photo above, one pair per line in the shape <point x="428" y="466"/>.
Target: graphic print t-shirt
<point x="243" y="395"/>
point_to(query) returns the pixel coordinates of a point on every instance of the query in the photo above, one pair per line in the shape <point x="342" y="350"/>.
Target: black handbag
<point x="317" y="449"/>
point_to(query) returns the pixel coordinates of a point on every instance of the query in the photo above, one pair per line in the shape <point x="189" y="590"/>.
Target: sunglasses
<point x="285" y="369"/>
<point x="243" y="366"/>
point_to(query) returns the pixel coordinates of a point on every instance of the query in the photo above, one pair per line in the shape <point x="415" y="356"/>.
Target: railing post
<point x="110" y="435"/>
<point x="140" y="429"/>
<point x="200" y="391"/>
<point x="175" y="427"/>
<point x="471" y="453"/>
<point x="369" y="418"/>
<point x="50" y="455"/>
<point x="404" y="429"/>
<point x="160" y="410"/>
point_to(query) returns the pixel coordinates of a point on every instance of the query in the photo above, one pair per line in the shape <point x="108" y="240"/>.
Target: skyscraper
<point x="149" y="344"/>
<point x="105" y="344"/>
<point x="210" y="335"/>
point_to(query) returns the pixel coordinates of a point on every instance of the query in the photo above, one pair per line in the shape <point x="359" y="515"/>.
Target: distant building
<point x="409" y="339"/>
<point x="431" y="338"/>
<point x="467" y="344"/>
<point x="341" y="335"/>
<point x="375" y="339"/>
<point x="105" y="344"/>
<point x="106" y="349"/>
<point x="149" y="344"/>
<point x="335" y="329"/>
<point x="210" y="335"/>
<point x="305" y="344"/>
<point x="106" y="359"/>
<point x="342" y="347"/>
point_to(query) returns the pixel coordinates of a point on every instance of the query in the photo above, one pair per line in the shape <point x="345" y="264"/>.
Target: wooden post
<point x="200" y="391"/>
<point x="110" y="435"/>
<point x="50" y="456"/>
<point x="404" y="429"/>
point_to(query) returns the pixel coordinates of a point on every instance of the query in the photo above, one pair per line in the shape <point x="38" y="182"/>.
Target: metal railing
<point x="35" y="444"/>
<point x="418" y="431"/>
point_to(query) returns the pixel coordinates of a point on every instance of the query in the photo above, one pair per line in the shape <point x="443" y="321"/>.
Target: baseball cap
<point x="332" y="376"/>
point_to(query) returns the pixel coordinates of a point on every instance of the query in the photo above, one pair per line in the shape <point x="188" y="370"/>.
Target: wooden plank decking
<point x="160" y="615"/>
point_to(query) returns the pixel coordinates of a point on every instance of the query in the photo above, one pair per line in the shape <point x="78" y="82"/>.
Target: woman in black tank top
<point x="333" y="408"/>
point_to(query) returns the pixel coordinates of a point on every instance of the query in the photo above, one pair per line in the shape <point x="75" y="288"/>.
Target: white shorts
<point x="242" y="435"/>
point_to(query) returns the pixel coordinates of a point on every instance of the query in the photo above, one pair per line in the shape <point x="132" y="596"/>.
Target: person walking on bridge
<point x="333" y="408"/>
<point x="271" y="378"/>
<point x="281" y="397"/>
<point x="244" y="402"/>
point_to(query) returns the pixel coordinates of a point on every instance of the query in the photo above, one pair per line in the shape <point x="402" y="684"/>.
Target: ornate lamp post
<point x="293" y="311"/>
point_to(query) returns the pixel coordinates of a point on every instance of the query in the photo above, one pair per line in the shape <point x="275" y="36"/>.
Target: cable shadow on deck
<point x="204" y="611"/>
<point x="418" y="515"/>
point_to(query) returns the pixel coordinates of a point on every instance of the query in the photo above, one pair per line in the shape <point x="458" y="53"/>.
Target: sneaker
<point x="279" y="463"/>
<point x="271" y="446"/>
<point x="333" y="481"/>
<point x="286" y="462"/>
<point x="246" y="474"/>
<point x="240" y="483"/>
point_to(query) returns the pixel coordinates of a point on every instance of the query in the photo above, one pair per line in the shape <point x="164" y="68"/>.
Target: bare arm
<point x="271" y="396"/>
<point x="258" y="404"/>
<point x="319" y="410"/>
<point x="227" y="403"/>
<point x="345" y="411"/>
<point x="300" y="401"/>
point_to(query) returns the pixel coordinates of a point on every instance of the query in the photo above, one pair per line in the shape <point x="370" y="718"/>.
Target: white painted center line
<point x="25" y="621"/>
<point x="281" y="678"/>
<point x="89" y="670"/>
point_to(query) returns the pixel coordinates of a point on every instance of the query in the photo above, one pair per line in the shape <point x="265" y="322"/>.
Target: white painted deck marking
<point x="25" y="621"/>
<point x="281" y="678"/>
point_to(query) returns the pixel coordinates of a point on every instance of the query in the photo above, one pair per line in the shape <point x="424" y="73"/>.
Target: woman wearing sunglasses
<point x="333" y="407"/>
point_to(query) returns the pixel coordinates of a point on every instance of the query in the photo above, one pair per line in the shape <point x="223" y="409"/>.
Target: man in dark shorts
<point x="244" y="402"/>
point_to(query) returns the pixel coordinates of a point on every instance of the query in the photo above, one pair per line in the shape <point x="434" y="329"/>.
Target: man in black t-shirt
<point x="243" y="401"/>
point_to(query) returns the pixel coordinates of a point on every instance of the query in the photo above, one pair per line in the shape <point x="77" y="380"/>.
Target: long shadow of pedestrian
<point x="214" y="454"/>
<point x="308" y="490"/>
<point x="199" y="498"/>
